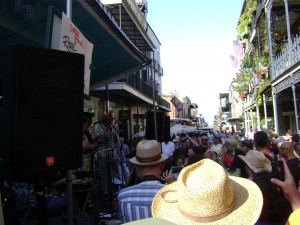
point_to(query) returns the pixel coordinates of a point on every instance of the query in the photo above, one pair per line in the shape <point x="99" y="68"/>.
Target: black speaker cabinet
<point x="41" y="110"/>
<point x="162" y="123"/>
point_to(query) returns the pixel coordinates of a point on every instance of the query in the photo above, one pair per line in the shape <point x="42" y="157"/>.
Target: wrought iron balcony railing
<point x="139" y="84"/>
<point x="287" y="58"/>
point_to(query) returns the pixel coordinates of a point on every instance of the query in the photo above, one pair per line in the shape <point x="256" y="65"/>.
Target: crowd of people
<point x="215" y="178"/>
<point x="196" y="177"/>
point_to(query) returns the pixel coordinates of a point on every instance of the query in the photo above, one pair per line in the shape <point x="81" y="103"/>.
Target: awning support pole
<point x="295" y="108"/>
<point x="265" y="111"/>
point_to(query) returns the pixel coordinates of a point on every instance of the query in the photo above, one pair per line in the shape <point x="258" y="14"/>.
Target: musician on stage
<point x="106" y="133"/>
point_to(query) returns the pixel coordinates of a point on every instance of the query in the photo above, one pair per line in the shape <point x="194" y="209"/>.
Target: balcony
<point x="163" y="103"/>
<point x="258" y="13"/>
<point x="286" y="59"/>
<point x="139" y="84"/>
<point x="157" y="67"/>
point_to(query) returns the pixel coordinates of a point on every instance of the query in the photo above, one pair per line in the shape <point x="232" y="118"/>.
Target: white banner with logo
<point x="72" y="40"/>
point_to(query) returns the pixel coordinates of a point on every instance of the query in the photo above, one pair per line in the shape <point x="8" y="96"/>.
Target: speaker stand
<point x="41" y="201"/>
<point x="70" y="197"/>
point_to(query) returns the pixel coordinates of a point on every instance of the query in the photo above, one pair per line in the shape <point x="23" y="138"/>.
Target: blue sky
<point x="196" y="42"/>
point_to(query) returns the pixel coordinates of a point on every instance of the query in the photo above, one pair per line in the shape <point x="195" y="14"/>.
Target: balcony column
<point x="276" y="127"/>
<point x="288" y="23"/>
<point x="246" y="123"/>
<point x="265" y="111"/>
<point x="258" y="117"/>
<point x="295" y="107"/>
<point x="153" y="98"/>
<point x="268" y="10"/>
<point x="107" y="99"/>
<point x="252" y="121"/>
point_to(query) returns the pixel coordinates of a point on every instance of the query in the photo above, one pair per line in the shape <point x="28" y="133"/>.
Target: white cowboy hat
<point x="148" y="153"/>
<point x="204" y="193"/>
<point x="256" y="161"/>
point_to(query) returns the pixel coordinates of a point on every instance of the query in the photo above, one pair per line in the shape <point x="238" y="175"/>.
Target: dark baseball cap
<point x="248" y="143"/>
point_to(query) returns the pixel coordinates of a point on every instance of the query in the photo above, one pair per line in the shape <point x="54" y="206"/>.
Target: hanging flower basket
<point x="243" y="95"/>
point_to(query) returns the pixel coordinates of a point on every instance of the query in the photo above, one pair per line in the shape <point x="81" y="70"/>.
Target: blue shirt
<point x="135" y="201"/>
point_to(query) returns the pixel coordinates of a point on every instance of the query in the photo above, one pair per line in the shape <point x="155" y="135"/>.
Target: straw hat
<point x="148" y="153"/>
<point x="256" y="161"/>
<point x="204" y="193"/>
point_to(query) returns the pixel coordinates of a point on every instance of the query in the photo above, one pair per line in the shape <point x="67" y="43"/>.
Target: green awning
<point x="114" y="55"/>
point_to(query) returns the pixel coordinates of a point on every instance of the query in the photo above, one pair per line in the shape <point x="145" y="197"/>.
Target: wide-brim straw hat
<point x="148" y="153"/>
<point x="204" y="193"/>
<point x="256" y="161"/>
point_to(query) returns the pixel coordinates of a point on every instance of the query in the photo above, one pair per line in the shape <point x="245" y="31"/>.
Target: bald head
<point x="287" y="150"/>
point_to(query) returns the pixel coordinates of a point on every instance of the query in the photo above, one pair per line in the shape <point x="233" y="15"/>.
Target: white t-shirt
<point x="167" y="148"/>
<point x="217" y="148"/>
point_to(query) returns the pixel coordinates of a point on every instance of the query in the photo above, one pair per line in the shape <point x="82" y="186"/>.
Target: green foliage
<point x="243" y="80"/>
<point x="243" y="27"/>
<point x="159" y="100"/>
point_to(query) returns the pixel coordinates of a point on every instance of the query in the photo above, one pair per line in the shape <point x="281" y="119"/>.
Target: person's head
<point x="217" y="139"/>
<point x="121" y="140"/>
<point x="167" y="138"/>
<point x="148" y="159"/>
<point x="295" y="138"/>
<point x="261" y="139"/>
<point x="204" y="193"/>
<point x="193" y="150"/>
<point x="288" y="135"/>
<point x="297" y="150"/>
<point x="246" y="145"/>
<point x="209" y="144"/>
<point x="255" y="162"/>
<point x="228" y="148"/>
<point x="211" y="155"/>
<point x="286" y="149"/>
<point x="179" y="161"/>
<point x="108" y="119"/>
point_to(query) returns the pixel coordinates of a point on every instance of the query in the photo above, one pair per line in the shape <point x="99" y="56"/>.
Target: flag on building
<point x="234" y="62"/>
<point x="255" y="79"/>
<point x="238" y="50"/>
<point x="177" y="103"/>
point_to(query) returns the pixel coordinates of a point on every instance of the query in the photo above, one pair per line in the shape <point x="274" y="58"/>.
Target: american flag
<point x="255" y="79"/>
<point x="238" y="50"/>
<point x="234" y="62"/>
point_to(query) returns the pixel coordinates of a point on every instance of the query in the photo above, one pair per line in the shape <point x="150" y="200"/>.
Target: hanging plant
<point x="244" y="25"/>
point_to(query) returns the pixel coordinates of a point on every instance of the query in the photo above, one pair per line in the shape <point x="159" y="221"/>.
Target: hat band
<point x="205" y="219"/>
<point x="148" y="159"/>
<point x="258" y="167"/>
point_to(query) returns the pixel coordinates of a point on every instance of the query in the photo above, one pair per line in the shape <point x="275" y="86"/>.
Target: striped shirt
<point x="135" y="201"/>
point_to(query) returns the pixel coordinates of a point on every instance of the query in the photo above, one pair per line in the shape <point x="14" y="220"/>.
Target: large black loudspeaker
<point x="41" y="110"/>
<point x="162" y="123"/>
